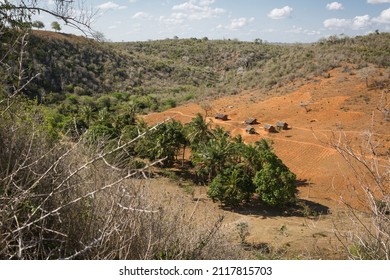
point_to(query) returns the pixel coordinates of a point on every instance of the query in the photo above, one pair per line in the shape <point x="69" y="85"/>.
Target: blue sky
<point x="246" y="20"/>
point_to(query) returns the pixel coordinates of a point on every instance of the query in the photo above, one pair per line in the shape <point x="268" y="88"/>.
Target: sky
<point x="246" y="20"/>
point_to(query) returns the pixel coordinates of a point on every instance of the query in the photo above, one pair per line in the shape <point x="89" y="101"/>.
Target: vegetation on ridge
<point x="185" y="68"/>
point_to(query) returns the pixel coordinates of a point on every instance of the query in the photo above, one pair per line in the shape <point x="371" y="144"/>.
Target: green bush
<point x="231" y="187"/>
<point x="101" y="132"/>
<point x="275" y="184"/>
<point x="189" y="96"/>
<point x="170" y="103"/>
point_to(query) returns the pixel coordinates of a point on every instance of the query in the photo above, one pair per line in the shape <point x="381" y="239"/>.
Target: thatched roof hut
<point x="282" y="125"/>
<point x="269" y="128"/>
<point x="220" y="116"/>
<point x="250" y="130"/>
<point x="250" y="121"/>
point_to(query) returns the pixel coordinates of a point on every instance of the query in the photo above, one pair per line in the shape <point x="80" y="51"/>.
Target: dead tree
<point x="305" y="105"/>
<point x="370" y="237"/>
<point x="384" y="105"/>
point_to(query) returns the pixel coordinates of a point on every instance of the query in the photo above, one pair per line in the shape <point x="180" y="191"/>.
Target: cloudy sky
<point x="246" y="20"/>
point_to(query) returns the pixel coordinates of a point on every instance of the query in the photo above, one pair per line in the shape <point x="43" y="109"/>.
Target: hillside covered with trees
<point x="186" y="68"/>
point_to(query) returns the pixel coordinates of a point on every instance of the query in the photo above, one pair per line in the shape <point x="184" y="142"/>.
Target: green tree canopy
<point x="56" y="26"/>
<point x="165" y="141"/>
<point x="38" y="24"/>
<point x="275" y="183"/>
<point x="211" y="157"/>
<point x="198" y="131"/>
<point x="232" y="186"/>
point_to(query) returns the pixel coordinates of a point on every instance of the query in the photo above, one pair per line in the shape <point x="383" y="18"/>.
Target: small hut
<point x="281" y="125"/>
<point x="269" y="128"/>
<point x="222" y="117"/>
<point x="250" y="130"/>
<point x="250" y="121"/>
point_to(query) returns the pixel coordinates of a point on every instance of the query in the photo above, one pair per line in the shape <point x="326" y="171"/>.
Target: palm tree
<point x="169" y="141"/>
<point x="104" y="117"/>
<point x="232" y="186"/>
<point x="214" y="155"/>
<point x="87" y="114"/>
<point x="164" y="142"/>
<point x="126" y="116"/>
<point x="251" y="159"/>
<point x="198" y="131"/>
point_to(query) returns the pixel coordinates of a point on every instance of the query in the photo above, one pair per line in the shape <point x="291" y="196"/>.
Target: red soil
<point x="341" y="104"/>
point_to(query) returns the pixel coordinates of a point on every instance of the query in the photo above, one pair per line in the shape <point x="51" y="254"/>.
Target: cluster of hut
<point x="280" y="125"/>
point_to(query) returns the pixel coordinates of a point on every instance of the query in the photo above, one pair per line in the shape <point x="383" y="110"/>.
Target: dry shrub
<point x="370" y="236"/>
<point x="152" y="224"/>
<point x="69" y="202"/>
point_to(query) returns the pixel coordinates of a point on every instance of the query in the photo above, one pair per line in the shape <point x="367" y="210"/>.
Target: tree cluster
<point x="235" y="171"/>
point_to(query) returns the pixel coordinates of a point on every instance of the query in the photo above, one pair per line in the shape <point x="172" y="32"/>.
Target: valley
<point x="336" y="110"/>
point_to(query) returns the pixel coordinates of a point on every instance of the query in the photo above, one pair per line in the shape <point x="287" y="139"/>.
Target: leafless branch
<point x="370" y="239"/>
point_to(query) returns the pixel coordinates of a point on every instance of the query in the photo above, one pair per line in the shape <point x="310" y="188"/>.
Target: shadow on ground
<point x="302" y="208"/>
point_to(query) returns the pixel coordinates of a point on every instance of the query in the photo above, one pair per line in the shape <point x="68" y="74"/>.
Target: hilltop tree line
<point x="40" y="25"/>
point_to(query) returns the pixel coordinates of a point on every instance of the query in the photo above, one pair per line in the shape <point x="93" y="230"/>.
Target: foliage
<point x="63" y="192"/>
<point x="275" y="184"/>
<point x="236" y="171"/>
<point x="62" y="202"/>
<point x="101" y="132"/>
<point x="38" y="24"/>
<point x="68" y="197"/>
<point x="213" y="156"/>
<point x="172" y="71"/>
<point x="165" y="142"/>
<point x="231" y="187"/>
<point x="198" y="131"/>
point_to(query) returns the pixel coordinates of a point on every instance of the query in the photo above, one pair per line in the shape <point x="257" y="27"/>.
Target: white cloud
<point x="299" y="30"/>
<point x="198" y="9"/>
<point x="133" y="1"/>
<point x="142" y="15"/>
<point x="173" y="19"/>
<point x="237" y="23"/>
<point x="384" y="17"/>
<point x="282" y="13"/>
<point x="336" y="22"/>
<point x="111" y="5"/>
<point x="357" y="22"/>
<point x="334" y="6"/>
<point x="361" y="22"/>
<point x="377" y="1"/>
<point x="205" y="2"/>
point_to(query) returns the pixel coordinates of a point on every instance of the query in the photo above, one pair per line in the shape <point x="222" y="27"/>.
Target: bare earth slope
<point x="340" y="104"/>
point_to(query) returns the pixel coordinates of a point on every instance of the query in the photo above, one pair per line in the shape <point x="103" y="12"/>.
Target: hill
<point x="187" y="68"/>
